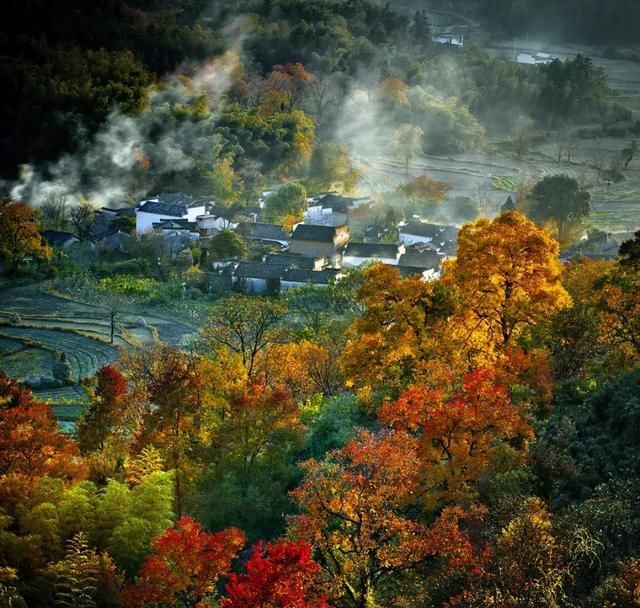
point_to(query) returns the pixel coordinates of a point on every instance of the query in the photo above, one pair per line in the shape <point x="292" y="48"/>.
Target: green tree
<point x="227" y="244"/>
<point x="288" y="200"/>
<point x="560" y="199"/>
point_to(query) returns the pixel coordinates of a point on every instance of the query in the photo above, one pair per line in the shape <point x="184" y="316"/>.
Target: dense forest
<point x="468" y="441"/>
<point x="462" y="438"/>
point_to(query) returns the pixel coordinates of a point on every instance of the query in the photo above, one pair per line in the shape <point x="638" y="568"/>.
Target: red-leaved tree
<point x="184" y="568"/>
<point x="280" y="575"/>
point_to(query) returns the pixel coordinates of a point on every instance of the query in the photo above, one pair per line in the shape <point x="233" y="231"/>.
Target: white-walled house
<point x="209" y="224"/>
<point x="357" y="254"/>
<point x="525" y="58"/>
<point x="168" y="207"/>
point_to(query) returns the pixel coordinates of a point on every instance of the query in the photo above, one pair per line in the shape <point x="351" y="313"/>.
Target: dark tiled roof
<point x="103" y="234"/>
<point x="259" y="270"/>
<point x="410" y="271"/>
<point x="337" y="202"/>
<point x="308" y="232"/>
<point x="424" y="258"/>
<point x="304" y="275"/>
<point x="175" y="199"/>
<point x="434" y="231"/>
<point x="374" y="230"/>
<point x="58" y="237"/>
<point x="291" y="260"/>
<point x="120" y="211"/>
<point x="179" y="224"/>
<point x="254" y="230"/>
<point x="371" y="250"/>
<point x="158" y="208"/>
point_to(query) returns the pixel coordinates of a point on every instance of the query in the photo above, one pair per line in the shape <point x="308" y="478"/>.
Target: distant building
<point x="209" y="225"/>
<point x="169" y="207"/>
<point x="373" y="233"/>
<point x="442" y="238"/>
<point x="59" y="238"/>
<point x="263" y="234"/>
<point x="526" y="58"/>
<point x="357" y="254"/>
<point x="317" y="241"/>
<point x="331" y="209"/>
<point x="449" y="40"/>
<point x="297" y="261"/>
<point x="421" y="257"/>
<point x="296" y="277"/>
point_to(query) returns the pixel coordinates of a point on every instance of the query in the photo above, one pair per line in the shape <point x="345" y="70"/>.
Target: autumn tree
<point x="331" y="168"/>
<point x="278" y="575"/>
<point x="20" y="235"/>
<point x="400" y="336"/>
<point x="284" y="88"/>
<point x="393" y="91"/>
<point x="166" y="389"/>
<point x="255" y="422"/>
<point x="106" y="410"/>
<point x="620" y="590"/>
<point x="618" y="302"/>
<point x="532" y="566"/>
<point x="245" y="327"/>
<point x="184" y="567"/>
<point x="354" y="514"/>
<point x="508" y="274"/>
<point x="459" y="433"/>
<point x="31" y="446"/>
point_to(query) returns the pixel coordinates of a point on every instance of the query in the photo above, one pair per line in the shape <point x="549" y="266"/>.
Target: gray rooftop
<point x="308" y="232"/>
<point x="270" y="232"/>
<point x="304" y="275"/>
<point x="371" y="250"/>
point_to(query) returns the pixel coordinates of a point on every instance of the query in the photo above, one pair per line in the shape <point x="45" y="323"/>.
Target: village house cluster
<point x="318" y="249"/>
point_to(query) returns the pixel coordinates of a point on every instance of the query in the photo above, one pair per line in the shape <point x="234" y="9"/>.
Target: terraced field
<point x="37" y="326"/>
<point x="67" y="403"/>
<point x="490" y="178"/>
<point x="86" y="355"/>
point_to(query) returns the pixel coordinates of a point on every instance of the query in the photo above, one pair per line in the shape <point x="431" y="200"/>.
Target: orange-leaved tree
<point x="458" y="432"/>
<point x="20" y="235"/>
<point x="31" y="446"/>
<point x="355" y="507"/>
<point x="184" y="567"/>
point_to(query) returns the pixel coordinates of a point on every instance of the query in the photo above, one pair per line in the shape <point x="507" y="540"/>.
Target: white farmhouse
<point x="168" y="207"/>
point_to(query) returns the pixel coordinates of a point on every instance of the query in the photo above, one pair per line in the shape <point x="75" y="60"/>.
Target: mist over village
<point x="320" y="304"/>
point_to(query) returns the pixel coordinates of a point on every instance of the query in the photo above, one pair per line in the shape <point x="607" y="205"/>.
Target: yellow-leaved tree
<point x="508" y="277"/>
